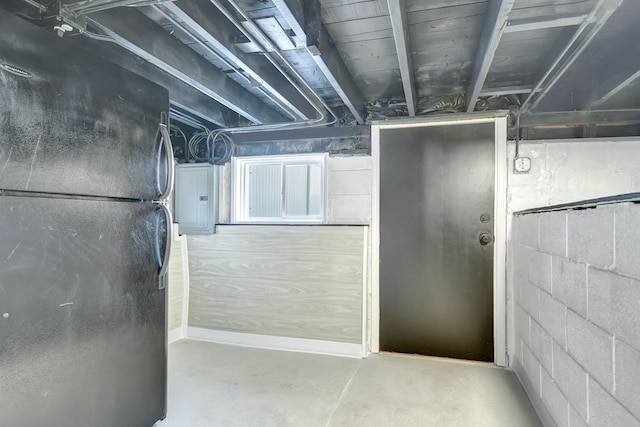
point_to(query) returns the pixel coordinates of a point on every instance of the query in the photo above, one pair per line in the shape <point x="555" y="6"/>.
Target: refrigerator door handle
<point x="162" y="274"/>
<point x="166" y="143"/>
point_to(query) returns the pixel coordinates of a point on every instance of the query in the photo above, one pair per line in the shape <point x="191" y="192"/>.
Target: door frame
<point x="499" y="118"/>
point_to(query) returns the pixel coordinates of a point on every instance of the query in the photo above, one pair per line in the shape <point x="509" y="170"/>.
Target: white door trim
<point x="500" y="221"/>
<point x="500" y="245"/>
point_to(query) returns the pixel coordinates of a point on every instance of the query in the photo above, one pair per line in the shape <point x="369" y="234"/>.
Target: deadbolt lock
<point x="485" y="239"/>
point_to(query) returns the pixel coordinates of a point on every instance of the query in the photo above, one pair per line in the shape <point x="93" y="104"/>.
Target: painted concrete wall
<point x="349" y="190"/>
<point x="571" y="170"/>
<point x="577" y="314"/>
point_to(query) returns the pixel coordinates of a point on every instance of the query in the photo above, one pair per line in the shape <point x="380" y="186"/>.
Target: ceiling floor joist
<point x="334" y="132"/>
<point x="398" y="15"/>
<point x="535" y="24"/>
<point x="580" y="40"/>
<point x="505" y="90"/>
<point x="141" y="36"/>
<point x="323" y="51"/>
<point x="180" y="93"/>
<point x="494" y="26"/>
<point x="293" y="13"/>
<point x="615" y="85"/>
<point x="206" y="24"/>
<point x="620" y="66"/>
<point x="575" y="118"/>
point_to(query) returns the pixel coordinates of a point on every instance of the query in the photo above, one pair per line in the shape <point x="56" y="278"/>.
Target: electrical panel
<point x="196" y="198"/>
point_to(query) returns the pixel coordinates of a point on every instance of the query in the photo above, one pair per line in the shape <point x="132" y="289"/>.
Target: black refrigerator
<point x="85" y="172"/>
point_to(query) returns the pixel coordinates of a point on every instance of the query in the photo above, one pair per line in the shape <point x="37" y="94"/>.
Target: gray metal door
<point x="436" y="247"/>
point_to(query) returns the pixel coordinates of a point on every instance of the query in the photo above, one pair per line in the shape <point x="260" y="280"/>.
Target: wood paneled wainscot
<point x="176" y="290"/>
<point x="291" y="287"/>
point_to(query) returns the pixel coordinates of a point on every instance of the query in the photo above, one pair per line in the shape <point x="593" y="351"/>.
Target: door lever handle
<point x="485" y="239"/>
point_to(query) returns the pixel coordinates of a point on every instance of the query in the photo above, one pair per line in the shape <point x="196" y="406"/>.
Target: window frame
<point x="240" y="189"/>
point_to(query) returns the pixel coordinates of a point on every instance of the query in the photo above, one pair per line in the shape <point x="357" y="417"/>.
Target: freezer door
<point x="82" y="321"/>
<point x="73" y="123"/>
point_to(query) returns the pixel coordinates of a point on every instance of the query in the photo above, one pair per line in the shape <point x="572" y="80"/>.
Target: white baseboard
<point x="175" y="335"/>
<point x="276" y="343"/>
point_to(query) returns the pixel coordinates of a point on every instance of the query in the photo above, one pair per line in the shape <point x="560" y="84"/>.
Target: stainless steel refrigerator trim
<point x="500" y="203"/>
<point x="163" y="277"/>
<point x="171" y="170"/>
<point x="164" y="200"/>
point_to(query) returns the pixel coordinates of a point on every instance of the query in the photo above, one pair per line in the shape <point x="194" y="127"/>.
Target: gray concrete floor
<point x="219" y="385"/>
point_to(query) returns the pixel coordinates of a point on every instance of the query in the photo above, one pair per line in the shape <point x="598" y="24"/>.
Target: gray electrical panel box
<point x="196" y="198"/>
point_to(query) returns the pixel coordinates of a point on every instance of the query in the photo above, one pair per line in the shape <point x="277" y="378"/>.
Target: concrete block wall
<point x="576" y="277"/>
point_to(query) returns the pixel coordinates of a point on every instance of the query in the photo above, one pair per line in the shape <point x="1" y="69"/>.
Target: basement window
<point x="279" y="189"/>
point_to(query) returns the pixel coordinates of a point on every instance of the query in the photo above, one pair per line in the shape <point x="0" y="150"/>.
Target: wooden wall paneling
<point x="290" y="281"/>
<point x="176" y="286"/>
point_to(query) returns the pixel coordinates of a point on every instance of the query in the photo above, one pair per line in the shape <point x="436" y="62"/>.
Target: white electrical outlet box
<point x="522" y="164"/>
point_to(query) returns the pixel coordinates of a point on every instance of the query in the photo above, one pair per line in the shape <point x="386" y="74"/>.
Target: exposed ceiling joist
<point x="180" y="93"/>
<point x="206" y="24"/>
<point x="216" y="54"/>
<point x="575" y="118"/>
<point x="581" y="38"/>
<point x="616" y="84"/>
<point x="620" y="67"/>
<point x="611" y="74"/>
<point x="293" y="13"/>
<point x="91" y="6"/>
<point x="505" y="90"/>
<point x="494" y="26"/>
<point x="536" y="24"/>
<point x="323" y="51"/>
<point x="37" y="5"/>
<point x="138" y="34"/>
<point x="304" y="134"/>
<point x="199" y="109"/>
<point x="279" y="37"/>
<point x="398" y="15"/>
